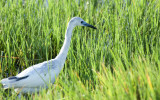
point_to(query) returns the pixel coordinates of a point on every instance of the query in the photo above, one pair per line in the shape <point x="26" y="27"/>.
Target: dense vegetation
<point x="119" y="60"/>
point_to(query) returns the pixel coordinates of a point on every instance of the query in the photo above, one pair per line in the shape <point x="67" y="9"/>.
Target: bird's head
<point x="77" y="21"/>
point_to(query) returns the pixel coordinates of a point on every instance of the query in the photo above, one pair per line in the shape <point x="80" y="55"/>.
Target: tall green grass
<point x="119" y="60"/>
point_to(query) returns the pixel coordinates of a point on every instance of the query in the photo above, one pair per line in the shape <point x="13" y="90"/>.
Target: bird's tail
<point x="7" y="83"/>
<point x="11" y="81"/>
<point x="5" y="86"/>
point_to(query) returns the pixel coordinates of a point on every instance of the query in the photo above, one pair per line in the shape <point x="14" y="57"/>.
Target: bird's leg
<point x="19" y="96"/>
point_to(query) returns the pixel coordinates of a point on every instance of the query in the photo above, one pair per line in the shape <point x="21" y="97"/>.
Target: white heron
<point x="38" y="76"/>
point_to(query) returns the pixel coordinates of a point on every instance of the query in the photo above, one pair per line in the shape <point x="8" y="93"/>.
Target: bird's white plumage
<point x="40" y="75"/>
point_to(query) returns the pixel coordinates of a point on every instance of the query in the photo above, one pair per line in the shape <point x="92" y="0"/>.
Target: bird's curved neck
<point x="61" y="57"/>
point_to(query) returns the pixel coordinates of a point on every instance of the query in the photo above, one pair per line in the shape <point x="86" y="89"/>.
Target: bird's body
<point x="34" y="77"/>
<point x="40" y="75"/>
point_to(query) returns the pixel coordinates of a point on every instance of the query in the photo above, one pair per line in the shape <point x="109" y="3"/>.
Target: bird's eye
<point x="81" y="21"/>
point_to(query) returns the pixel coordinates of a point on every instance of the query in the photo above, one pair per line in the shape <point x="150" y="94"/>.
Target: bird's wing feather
<point x="17" y="78"/>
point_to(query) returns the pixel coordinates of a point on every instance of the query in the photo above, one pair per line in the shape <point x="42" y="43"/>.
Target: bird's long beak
<point x="88" y="25"/>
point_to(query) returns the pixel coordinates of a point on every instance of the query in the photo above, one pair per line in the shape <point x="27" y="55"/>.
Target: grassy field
<point x="120" y="60"/>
